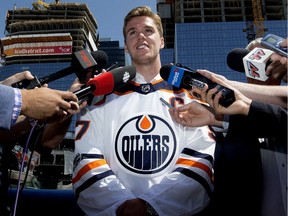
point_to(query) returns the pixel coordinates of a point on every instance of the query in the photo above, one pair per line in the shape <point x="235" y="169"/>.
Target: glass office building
<point x="206" y="45"/>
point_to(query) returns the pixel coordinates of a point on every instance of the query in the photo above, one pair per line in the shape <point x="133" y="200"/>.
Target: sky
<point x="109" y="14"/>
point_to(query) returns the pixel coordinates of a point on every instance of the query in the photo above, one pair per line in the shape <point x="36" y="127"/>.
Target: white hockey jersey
<point x="127" y="146"/>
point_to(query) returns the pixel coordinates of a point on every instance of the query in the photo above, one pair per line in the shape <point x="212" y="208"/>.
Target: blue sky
<point x="109" y="14"/>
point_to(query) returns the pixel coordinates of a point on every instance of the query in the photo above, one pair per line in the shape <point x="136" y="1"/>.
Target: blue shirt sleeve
<point x="11" y="102"/>
<point x="17" y="106"/>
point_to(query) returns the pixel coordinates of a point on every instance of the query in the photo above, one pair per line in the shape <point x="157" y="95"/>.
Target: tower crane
<point x="256" y="29"/>
<point x="258" y="18"/>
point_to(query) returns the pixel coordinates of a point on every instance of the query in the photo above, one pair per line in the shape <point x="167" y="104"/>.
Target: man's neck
<point x="148" y="71"/>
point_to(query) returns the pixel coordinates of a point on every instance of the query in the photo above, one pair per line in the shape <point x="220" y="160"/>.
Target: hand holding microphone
<point x="253" y="63"/>
<point x="195" y="114"/>
<point x="83" y="64"/>
<point x="18" y="77"/>
<point x="240" y="105"/>
<point x="185" y="78"/>
<point x="261" y="64"/>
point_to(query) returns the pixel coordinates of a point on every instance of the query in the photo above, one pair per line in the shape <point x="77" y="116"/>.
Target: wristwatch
<point x="150" y="210"/>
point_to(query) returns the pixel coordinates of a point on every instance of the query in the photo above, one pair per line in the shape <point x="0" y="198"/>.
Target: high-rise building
<point x="201" y="33"/>
<point x="48" y="32"/>
<point x="253" y="12"/>
<point x="113" y="50"/>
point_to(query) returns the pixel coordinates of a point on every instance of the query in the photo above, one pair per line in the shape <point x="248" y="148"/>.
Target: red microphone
<point x="106" y="82"/>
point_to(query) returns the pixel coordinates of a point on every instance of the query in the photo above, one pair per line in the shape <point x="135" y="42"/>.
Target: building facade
<point x="252" y="12"/>
<point x="201" y="33"/>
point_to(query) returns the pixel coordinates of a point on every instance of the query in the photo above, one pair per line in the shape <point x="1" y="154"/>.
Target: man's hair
<point x="143" y="11"/>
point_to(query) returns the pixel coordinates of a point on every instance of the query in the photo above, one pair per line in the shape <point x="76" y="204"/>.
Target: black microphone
<point x="235" y="59"/>
<point x="106" y="83"/>
<point x="253" y="63"/>
<point x="83" y="63"/>
<point x="181" y="77"/>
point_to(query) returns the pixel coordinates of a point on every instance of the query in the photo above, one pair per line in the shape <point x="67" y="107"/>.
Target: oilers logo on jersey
<point x="145" y="144"/>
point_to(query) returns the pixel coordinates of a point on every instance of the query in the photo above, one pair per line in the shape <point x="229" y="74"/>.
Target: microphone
<point x="83" y="64"/>
<point x="181" y="77"/>
<point x="235" y="59"/>
<point x="106" y="82"/>
<point x="99" y="57"/>
<point x="253" y="63"/>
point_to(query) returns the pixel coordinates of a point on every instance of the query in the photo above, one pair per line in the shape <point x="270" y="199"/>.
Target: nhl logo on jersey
<point x="145" y="144"/>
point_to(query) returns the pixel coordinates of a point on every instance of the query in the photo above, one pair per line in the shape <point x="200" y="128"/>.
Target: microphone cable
<point x="24" y="151"/>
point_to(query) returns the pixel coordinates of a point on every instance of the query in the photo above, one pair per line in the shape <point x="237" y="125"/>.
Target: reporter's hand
<point x="17" y="77"/>
<point x="280" y="70"/>
<point x="277" y="70"/>
<point x="253" y="44"/>
<point x="76" y="85"/>
<point x="46" y="104"/>
<point x="195" y="114"/>
<point x="241" y="105"/>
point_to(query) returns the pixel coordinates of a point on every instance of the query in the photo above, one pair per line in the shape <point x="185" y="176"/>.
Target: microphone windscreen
<point x="122" y="75"/>
<point x="235" y="59"/>
<point x="165" y="71"/>
<point x="103" y="83"/>
<point x="101" y="58"/>
<point x="109" y="81"/>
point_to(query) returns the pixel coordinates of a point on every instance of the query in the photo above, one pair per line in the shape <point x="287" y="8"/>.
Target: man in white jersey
<point x="131" y="158"/>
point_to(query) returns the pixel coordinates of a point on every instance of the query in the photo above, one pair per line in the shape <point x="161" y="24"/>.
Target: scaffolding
<point x="56" y="17"/>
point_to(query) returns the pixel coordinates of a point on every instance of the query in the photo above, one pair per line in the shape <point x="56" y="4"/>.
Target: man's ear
<point x="162" y="43"/>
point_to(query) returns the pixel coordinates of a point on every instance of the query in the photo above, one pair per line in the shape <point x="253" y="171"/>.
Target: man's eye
<point x="132" y="33"/>
<point x="148" y="31"/>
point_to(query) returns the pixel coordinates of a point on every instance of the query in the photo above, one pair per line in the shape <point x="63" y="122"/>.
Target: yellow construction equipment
<point x="258" y="18"/>
<point x="40" y="4"/>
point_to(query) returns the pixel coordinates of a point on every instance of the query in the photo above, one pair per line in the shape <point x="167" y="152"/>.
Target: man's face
<point x="143" y="41"/>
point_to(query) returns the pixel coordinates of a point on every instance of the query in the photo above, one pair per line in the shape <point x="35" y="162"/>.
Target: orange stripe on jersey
<point x="88" y="167"/>
<point x="195" y="164"/>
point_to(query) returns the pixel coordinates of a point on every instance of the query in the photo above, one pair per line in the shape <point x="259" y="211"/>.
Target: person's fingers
<point x="216" y="104"/>
<point x="284" y="61"/>
<point x="68" y="96"/>
<point x="23" y="75"/>
<point x="75" y="108"/>
<point x="17" y="77"/>
<point x="210" y="96"/>
<point x="28" y="75"/>
<point x="176" y="115"/>
<point x="205" y="73"/>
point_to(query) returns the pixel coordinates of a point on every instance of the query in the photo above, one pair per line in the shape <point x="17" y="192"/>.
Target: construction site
<point x="253" y="12"/>
<point x="48" y="32"/>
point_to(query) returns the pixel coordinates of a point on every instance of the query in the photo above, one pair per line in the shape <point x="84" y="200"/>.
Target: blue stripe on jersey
<point x="88" y="156"/>
<point x="197" y="177"/>
<point x="91" y="181"/>
<point x="194" y="153"/>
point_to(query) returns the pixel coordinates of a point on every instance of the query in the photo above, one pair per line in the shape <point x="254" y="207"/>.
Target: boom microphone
<point x="184" y="78"/>
<point x="83" y="64"/>
<point x="106" y="82"/>
<point x="253" y="63"/>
